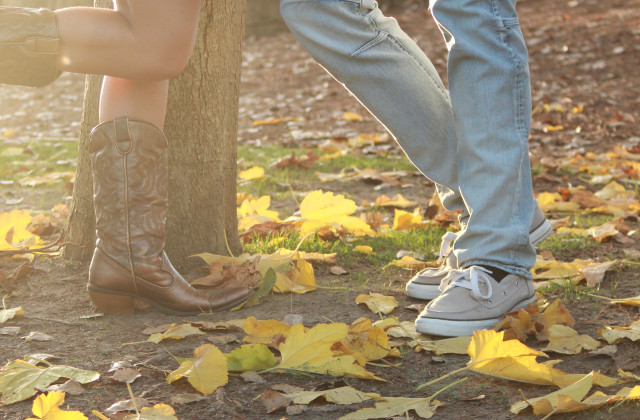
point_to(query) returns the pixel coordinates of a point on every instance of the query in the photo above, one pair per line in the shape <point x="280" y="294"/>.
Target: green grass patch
<point x="36" y="158"/>
<point x="384" y="247"/>
<point x="567" y="244"/>
<point x="587" y="220"/>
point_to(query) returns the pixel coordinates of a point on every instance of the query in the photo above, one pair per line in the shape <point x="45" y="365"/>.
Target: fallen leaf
<point x="19" y="379"/>
<point x="70" y="387"/>
<point x="342" y="395"/>
<point x="457" y="345"/>
<point x="397" y="201"/>
<point x="300" y="279"/>
<point x="614" y="334"/>
<point x="273" y="401"/>
<point x="126" y="375"/>
<point x="180" y="399"/>
<point x="594" y="274"/>
<point x="569" y="399"/>
<point x="398" y="406"/>
<point x="47" y="407"/>
<point x="250" y="358"/>
<point x="319" y="209"/>
<point x="566" y="340"/>
<point x="363" y="249"/>
<point x="7" y="314"/>
<point x="404" y="220"/>
<point x="157" y="412"/>
<point x="37" y="336"/>
<point x="378" y="303"/>
<point x="205" y="372"/>
<point x="366" y="340"/>
<point x="336" y="270"/>
<point x="311" y="352"/>
<point x="175" y="332"/>
<point x="252" y="377"/>
<point x="126" y="405"/>
<point x="250" y="174"/>
<point x="263" y="332"/>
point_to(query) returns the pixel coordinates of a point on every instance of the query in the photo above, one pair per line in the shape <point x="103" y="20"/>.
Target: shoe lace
<point x="446" y="245"/>
<point x="470" y="278"/>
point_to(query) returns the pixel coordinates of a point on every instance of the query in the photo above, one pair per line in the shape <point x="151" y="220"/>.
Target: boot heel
<point x="112" y="304"/>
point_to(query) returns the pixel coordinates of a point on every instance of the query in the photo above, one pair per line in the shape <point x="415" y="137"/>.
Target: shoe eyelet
<point x="517" y="283"/>
<point x="504" y="292"/>
<point x="490" y="301"/>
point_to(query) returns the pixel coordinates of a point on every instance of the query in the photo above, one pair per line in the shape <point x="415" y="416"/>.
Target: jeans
<point x="471" y="141"/>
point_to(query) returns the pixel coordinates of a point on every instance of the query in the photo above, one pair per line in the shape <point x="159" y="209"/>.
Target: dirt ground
<point x="583" y="52"/>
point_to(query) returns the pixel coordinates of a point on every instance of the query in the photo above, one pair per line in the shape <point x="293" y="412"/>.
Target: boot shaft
<point x="130" y="169"/>
<point x="29" y="46"/>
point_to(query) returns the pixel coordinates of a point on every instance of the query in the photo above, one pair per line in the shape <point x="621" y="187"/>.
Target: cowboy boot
<point x="129" y="161"/>
<point x="29" y="46"/>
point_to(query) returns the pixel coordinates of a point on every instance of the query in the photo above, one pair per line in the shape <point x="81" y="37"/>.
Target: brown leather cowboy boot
<point x="29" y="46"/>
<point x="130" y="196"/>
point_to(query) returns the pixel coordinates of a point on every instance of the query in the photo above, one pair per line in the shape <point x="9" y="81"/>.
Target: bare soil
<point x="583" y="52"/>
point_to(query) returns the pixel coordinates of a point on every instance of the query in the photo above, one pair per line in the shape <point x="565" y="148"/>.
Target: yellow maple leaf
<point x="404" y="220"/>
<point x="250" y="174"/>
<point x="553" y="202"/>
<point x="258" y="206"/>
<point x="310" y="351"/>
<point x="367" y="340"/>
<point x="378" y="303"/>
<point x="319" y="209"/>
<point x="300" y="278"/>
<point x="14" y="233"/>
<point x="515" y="361"/>
<point x="263" y="332"/>
<point x="47" y="407"/>
<point x="206" y="372"/>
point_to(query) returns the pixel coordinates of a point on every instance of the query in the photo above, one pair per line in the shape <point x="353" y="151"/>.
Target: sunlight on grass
<point x="567" y="245"/>
<point x="586" y="220"/>
<point x="18" y="161"/>
<point x="384" y="247"/>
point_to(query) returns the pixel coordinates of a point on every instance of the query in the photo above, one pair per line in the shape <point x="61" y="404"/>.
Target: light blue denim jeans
<point x="471" y="141"/>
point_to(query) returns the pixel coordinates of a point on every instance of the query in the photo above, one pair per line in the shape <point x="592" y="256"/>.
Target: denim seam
<point x="370" y="44"/>
<point x="382" y="35"/>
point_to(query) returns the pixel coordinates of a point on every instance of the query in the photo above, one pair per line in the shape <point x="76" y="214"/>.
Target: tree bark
<point x="81" y="231"/>
<point x="201" y="129"/>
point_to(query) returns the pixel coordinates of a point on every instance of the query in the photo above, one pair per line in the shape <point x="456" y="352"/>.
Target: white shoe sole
<point x="449" y="328"/>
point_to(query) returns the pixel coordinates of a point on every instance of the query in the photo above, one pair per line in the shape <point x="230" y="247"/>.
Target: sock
<point x="496" y="273"/>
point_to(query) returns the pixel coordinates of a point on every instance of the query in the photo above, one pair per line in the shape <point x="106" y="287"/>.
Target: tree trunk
<point x="201" y="129"/>
<point x="81" y="233"/>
